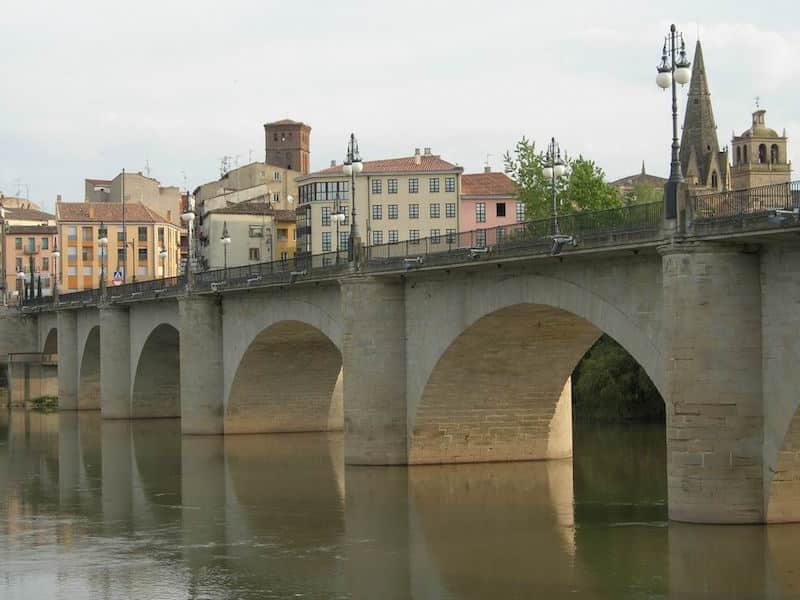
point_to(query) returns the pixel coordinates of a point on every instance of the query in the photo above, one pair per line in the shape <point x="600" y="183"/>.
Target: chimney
<point x="417" y="157"/>
<point x="487" y="169"/>
<point x="58" y="198"/>
<point x="428" y="151"/>
<point x="333" y="163"/>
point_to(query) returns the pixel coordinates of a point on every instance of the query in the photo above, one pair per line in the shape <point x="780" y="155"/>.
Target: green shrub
<point x="45" y="403"/>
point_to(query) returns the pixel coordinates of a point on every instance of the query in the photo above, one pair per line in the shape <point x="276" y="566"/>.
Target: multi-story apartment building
<point x="148" y="233"/>
<point x="397" y="199"/>
<point x="28" y="239"/>
<point x="488" y="200"/>
<point x="257" y="232"/>
<point x="165" y="200"/>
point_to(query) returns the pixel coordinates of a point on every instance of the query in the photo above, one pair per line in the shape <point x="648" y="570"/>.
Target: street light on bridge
<point x="163" y="256"/>
<point x="554" y="167"/>
<point x="226" y="241"/>
<point x="672" y="71"/>
<point x="102" y="240"/>
<point x="352" y="167"/>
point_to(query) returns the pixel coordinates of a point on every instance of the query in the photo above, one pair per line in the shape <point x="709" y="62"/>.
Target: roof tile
<point x="109" y="212"/>
<point x="487" y="184"/>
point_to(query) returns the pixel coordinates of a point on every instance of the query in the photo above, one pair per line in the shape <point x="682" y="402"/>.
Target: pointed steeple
<point x="643" y="171"/>
<point x="699" y="137"/>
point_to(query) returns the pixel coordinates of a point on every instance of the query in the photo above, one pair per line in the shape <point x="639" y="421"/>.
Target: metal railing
<point x="147" y="289"/>
<point x="760" y="207"/>
<point x="587" y="229"/>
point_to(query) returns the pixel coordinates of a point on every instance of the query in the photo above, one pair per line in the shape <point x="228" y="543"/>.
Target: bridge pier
<point x="374" y="364"/>
<point x="115" y="363"/>
<point x="68" y="356"/>
<point x="201" y="363"/>
<point x="712" y="331"/>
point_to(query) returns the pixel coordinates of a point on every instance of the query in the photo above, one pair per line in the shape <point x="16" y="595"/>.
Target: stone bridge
<point x="465" y="354"/>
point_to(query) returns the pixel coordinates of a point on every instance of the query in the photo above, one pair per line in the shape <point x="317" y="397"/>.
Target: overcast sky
<point x="92" y="87"/>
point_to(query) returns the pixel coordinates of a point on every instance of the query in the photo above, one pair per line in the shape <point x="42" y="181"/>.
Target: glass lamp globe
<point x="347" y="169"/>
<point x="664" y="79"/>
<point x="187" y="217"/>
<point x="682" y="75"/>
<point x="358" y="166"/>
<point x="560" y="170"/>
<point x="548" y="172"/>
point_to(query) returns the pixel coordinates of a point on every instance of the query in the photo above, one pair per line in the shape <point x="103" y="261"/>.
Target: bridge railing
<point x="760" y="207"/>
<point x="146" y="289"/>
<point x="587" y="229"/>
<point x="277" y="271"/>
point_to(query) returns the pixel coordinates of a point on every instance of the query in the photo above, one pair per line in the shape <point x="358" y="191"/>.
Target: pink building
<point x="487" y="200"/>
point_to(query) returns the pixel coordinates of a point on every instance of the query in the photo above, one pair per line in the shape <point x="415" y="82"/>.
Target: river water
<point x="118" y="509"/>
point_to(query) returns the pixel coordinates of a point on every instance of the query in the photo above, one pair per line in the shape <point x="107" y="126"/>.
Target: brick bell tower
<point x="288" y="145"/>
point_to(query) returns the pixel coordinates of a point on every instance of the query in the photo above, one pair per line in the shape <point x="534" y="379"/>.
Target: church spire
<point x="643" y="171"/>
<point x="699" y="135"/>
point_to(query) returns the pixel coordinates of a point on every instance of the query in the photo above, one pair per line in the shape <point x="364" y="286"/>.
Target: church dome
<point x="760" y="132"/>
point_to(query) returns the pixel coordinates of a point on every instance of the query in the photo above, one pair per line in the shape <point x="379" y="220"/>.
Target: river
<point x="130" y="509"/>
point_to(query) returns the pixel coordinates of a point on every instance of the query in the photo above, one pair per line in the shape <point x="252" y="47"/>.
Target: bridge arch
<point x="155" y="387"/>
<point x="288" y="379"/>
<point x="89" y="371"/>
<point x="50" y="345"/>
<point x="493" y="383"/>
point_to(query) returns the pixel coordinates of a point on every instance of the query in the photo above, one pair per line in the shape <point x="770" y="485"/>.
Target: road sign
<point x="117" y="278"/>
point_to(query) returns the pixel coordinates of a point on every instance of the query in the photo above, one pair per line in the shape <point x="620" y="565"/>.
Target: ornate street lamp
<point x="672" y="71"/>
<point x="56" y="254"/>
<point x="226" y="241"/>
<point x="163" y="255"/>
<point x="188" y="218"/>
<point x="21" y="292"/>
<point x="102" y="240"/>
<point x="555" y="167"/>
<point x="352" y="167"/>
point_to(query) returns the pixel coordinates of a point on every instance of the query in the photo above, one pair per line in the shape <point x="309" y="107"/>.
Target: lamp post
<point x="226" y="241"/>
<point x="56" y="254"/>
<point x="672" y="71"/>
<point x="21" y="292"/>
<point x="102" y="240"/>
<point x="163" y="256"/>
<point x="554" y="167"/>
<point x="352" y="167"/>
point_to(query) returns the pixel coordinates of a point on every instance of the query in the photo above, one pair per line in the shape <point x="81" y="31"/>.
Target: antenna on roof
<point x="224" y="166"/>
<point x="147" y="166"/>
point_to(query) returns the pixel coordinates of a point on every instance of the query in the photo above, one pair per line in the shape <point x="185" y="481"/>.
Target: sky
<point x="92" y="87"/>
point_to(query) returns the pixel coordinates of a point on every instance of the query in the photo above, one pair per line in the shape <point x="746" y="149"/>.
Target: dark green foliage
<point x="45" y="403"/>
<point x="609" y="385"/>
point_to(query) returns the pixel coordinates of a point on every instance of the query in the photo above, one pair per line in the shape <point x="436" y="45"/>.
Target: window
<point x="72" y="234"/>
<point x="435" y="210"/>
<point x="31" y="245"/>
<point x="326" y="216"/>
<point x="500" y="209"/>
<point x="120" y="256"/>
<point x="255" y="231"/>
<point x="413" y="211"/>
<point x="377" y="237"/>
<point x="377" y="212"/>
<point x="773" y="153"/>
<point x="343" y="208"/>
<point x="714" y="180"/>
<point x="283" y="234"/>
<point x="72" y="253"/>
<point x="18" y="264"/>
<point x="744" y="153"/>
<point x="72" y="270"/>
<point x="394" y="236"/>
<point x="392" y="186"/>
<point x="276" y="197"/>
<point x="413" y="236"/>
<point x="142" y="234"/>
<point x="520" y="212"/>
<point x="480" y="212"/>
<point x="87" y="270"/>
<point x="276" y="176"/>
<point x="120" y="236"/>
<point x="45" y="263"/>
<point x="86" y="234"/>
<point x="326" y="241"/>
<point x="255" y="253"/>
<point x="45" y="243"/>
<point x="435" y="236"/>
<point x="480" y="238"/>
<point x="433" y="185"/>
<point x="762" y="154"/>
<point x="377" y="186"/>
<point x="142" y="254"/>
<point x="86" y="254"/>
<point x="18" y="243"/>
<point x="738" y="156"/>
<point x="449" y="184"/>
<point x="451" y="236"/>
<point x="450" y="210"/>
<point x="344" y="240"/>
<point x="413" y="185"/>
<point x="393" y="211"/>
<point x="161" y="236"/>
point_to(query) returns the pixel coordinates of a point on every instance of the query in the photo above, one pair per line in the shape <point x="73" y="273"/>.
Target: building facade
<point x="397" y="199"/>
<point x="28" y="240"/>
<point x="287" y="144"/>
<point x="258" y="233"/>
<point x="165" y="200"/>
<point x="256" y="181"/>
<point x="760" y="156"/>
<point x="148" y="233"/>
<point x="488" y="200"/>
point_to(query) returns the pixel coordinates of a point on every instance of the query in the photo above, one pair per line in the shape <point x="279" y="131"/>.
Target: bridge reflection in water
<point x="93" y="508"/>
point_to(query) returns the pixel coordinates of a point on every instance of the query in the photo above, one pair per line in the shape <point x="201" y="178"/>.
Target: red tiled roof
<point x="407" y="164"/>
<point x="487" y="184"/>
<point x="109" y="212"/>
<point x="26" y="214"/>
<point x="32" y="229"/>
<point x="255" y="208"/>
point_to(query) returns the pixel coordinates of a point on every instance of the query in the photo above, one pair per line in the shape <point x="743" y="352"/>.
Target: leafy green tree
<point x="644" y="194"/>
<point x="583" y="188"/>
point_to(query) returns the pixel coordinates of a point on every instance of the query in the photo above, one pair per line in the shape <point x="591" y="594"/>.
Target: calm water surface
<point x="93" y="509"/>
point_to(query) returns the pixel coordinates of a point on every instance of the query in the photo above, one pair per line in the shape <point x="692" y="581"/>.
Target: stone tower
<point x="288" y="145"/>
<point x="759" y="156"/>
<point x="703" y="164"/>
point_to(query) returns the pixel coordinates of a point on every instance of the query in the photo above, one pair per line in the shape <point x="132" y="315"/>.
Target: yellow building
<point x="148" y="234"/>
<point x="397" y="199"/>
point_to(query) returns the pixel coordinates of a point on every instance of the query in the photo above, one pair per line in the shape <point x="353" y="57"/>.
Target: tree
<point x="584" y="187"/>
<point x="644" y="194"/>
